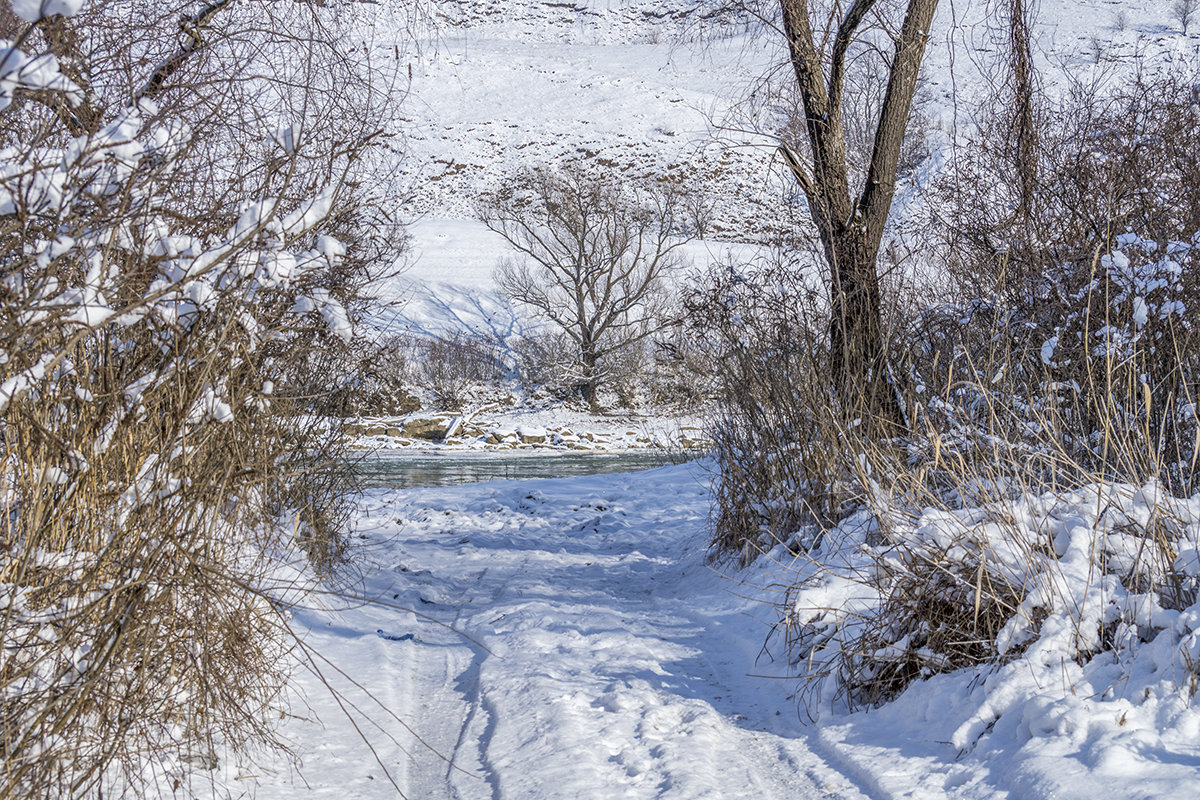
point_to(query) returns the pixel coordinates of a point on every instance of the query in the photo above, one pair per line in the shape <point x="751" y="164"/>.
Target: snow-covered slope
<point x="651" y="89"/>
<point x="611" y="85"/>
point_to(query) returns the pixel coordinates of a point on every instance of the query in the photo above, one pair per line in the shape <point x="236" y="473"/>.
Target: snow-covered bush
<point x="1094" y="377"/>
<point x="165" y="269"/>
<point x="378" y="380"/>
<point x="1008" y="523"/>
<point x="778" y="436"/>
<point x="1111" y="152"/>
<point x="1086" y="587"/>
<point x="451" y="367"/>
<point x="968" y="543"/>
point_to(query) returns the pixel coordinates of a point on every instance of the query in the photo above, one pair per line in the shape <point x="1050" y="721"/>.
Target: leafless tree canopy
<point x="1184" y="11"/>
<point x="591" y="258"/>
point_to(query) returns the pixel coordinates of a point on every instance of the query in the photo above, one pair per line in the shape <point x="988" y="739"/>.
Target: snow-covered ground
<point x="569" y="642"/>
<point x="566" y="639"/>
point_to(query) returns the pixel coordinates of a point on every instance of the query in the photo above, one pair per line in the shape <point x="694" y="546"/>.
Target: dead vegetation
<point x="171" y="256"/>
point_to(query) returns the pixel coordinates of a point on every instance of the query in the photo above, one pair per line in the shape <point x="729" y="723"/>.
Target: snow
<point x="565" y="640"/>
<point x="33" y="10"/>
<point x="1096" y="700"/>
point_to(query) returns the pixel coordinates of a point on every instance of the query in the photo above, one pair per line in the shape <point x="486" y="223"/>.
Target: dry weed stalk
<point x="165" y="277"/>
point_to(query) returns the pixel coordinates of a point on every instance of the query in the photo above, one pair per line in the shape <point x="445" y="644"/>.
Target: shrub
<point x="450" y="367"/>
<point x="548" y="359"/>
<point x="1035" y="506"/>
<point x="163" y="282"/>
<point x="375" y="379"/>
<point x="777" y="434"/>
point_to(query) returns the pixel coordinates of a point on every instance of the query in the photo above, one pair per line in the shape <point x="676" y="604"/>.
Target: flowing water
<point x="401" y="469"/>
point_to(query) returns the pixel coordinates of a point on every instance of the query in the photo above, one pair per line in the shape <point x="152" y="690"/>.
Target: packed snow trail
<point x="594" y="655"/>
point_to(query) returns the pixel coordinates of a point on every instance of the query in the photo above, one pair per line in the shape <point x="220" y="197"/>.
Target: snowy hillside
<point x="658" y="90"/>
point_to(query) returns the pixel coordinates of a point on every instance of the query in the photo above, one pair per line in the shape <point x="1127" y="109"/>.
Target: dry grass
<point x="939" y="533"/>
<point x="159" y="465"/>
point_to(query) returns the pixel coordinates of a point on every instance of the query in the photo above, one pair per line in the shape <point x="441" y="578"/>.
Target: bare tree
<point x="1183" y="10"/>
<point x="591" y="259"/>
<point x="850" y="220"/>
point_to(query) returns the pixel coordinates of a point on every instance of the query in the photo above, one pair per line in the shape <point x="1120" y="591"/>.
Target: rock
<point x="432" y="429"/>
<point x="531" y="435"/>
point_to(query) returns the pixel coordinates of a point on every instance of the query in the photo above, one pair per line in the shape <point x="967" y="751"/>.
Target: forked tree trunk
<point x="851" y="228"/>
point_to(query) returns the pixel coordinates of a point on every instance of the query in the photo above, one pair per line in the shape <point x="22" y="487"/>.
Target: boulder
<point x="531" y="435"/>
<point x="432" y="429"/>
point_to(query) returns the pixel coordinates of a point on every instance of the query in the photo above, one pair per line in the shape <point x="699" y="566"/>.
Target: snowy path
<point x="607" y="661"/>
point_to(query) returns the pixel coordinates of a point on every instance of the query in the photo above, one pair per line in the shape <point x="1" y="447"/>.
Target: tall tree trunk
<point x="858" y="348"/>
<point x="851" y="228"/>
<point x="589" y="387"/>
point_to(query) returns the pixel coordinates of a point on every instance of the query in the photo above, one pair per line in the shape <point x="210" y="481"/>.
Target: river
<point x="407" y="469"/>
